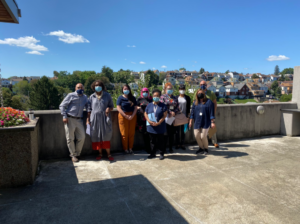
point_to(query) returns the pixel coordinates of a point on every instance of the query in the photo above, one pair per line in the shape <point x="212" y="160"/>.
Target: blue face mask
<point x="126" y="92"/>
<point x="145" y="94"/>
<point x="98" y="88"/>
<point x="169" y="91"/>
<point x="203" y="87"/>
<point x="79" y="91"/>
<point x="155" y="99"/>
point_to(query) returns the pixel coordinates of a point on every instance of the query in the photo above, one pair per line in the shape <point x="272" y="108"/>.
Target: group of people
<point x="148" y="113"/>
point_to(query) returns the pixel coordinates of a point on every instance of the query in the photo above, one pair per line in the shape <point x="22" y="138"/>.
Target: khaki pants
<point x="201" y="137"/>
<point x="74" y="128"/>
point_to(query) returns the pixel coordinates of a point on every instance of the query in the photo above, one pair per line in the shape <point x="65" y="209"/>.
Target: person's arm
<point x="110" y="106"/>
<point x="89" y="109"/>
<point x="119" y="108"/>
<point x="147" y="118"/>
<point x="163" y="118"/>
<point x="65" y="103"/>
<point x="212" y="115"/>
<point x="192" y="115"/>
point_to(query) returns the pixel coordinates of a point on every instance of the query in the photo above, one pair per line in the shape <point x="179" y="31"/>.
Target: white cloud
<point x="125" y="59"/>
<point x="68" y="37"/>
<point x="132" y="62"/>
<point x="246" y="68"/>
<point x="277" y="58"/>
<point x="34" y="52"/>
<point x="195" y="61"/>
<point x="27" y="42"/>
<point x="131" y="46"/>
<point x="164" y="66"/>
<point x="142" y="63"/>
<point x="153" y="68"/>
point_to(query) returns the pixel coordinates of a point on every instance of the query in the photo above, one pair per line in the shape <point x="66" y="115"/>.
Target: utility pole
<point x="1" y="97"/>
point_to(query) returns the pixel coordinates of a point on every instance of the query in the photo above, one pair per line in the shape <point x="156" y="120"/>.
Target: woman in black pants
<point x="184" y="102"/>
<point x="172" y="104"/>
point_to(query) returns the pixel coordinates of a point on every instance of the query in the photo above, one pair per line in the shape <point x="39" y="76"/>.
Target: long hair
<point x="100" y="84"/>
<point x="130" y="96"/>
<point x="204" y="99"/>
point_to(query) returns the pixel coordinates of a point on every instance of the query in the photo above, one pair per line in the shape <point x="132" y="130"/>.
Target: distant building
<point x="220" y="91"/>
<point x="133" y="86"/>
<point x="15" y="81"/>
<point x="5" y="83"/>
<point x="156" y="72"/>
<point x="286" y="87"/>
<point x="135" y="75"/>
<point x="274" y="77"/>
<point x="234" y="75"/>
<point x="243" y="90"/>
<point x="231" y="91"/>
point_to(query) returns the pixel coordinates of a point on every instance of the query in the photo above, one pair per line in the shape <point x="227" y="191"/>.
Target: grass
<point x="244" y="100"/>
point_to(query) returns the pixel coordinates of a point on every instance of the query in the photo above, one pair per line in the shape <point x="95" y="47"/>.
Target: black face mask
<point x="200" y="96"/>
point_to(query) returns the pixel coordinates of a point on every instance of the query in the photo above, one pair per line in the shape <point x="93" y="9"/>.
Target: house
<point x="234" y="75"/>
<point x="212" y="88"/>
<point x="286" y="87"/>
<point x="241" y="77"/>
<point x="202" y="76"/>
<point x="170" y="79"/>
<point x="5" y="83"/>
<point x="254" y="90"/>
<point x="15" y="81"/>
<point x="274" y="78"/>
<point x="248" y="76"/>
<point x="195" y="74"/>
<point x="290" y="76"/>
<point x="135" y="75"/>
<point x="30" y="78"/>
<point x="263" y="87"/>
<point x="180" y="81"/>
<point x="243" y="90"/>
<point x="216" y="81"/>
<point x="221" y="76"/>
<point x="231" y="91"/>
<point x="134" y="86"/>
<point x="10" y="11"/>
<point x="220" y="91"/>
<point x="156" y="72"/>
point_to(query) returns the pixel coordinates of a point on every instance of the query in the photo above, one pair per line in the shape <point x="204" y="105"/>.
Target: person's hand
<point x="129" y="117"/>
<point x="65" y="120"/>
<point x="172" y="114"/>
<point x="213" y="125"/>
<point x="107" y="111"/>
<point x="152" y="123"/>
<point x="190" y="124"/>
<point x="88" y="122"/>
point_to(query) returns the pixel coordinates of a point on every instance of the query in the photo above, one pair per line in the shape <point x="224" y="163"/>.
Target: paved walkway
<point x="251" y="181"/>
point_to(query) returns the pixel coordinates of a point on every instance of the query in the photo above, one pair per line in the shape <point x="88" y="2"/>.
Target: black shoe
<point x="183" y="147"/>
<point x="205" y="152"/>
<point x="151" y="156"/>
<point x="177" y="147"/>
<point x="161" y="157"/>
<point x="201" y="151"/>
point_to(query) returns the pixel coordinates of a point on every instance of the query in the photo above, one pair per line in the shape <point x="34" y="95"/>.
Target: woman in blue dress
<point x="203" y="114"/>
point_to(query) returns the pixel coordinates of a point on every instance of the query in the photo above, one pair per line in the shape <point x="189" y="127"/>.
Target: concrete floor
<point x="250" y="181"/>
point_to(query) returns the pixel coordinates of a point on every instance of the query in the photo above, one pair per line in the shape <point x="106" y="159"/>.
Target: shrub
<point x="10" y="117"/>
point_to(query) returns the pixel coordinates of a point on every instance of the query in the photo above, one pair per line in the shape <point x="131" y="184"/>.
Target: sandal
<point x="110" y="158"/>
<point x="130" y="151"/>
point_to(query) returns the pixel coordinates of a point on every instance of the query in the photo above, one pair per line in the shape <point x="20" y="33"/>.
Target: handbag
<point x="180" y="119"/>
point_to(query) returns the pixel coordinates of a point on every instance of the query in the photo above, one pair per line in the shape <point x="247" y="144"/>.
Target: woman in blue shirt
<point x="155" y="114"/>
<point x="127" y="107"/>
<point x="203" y="114"/>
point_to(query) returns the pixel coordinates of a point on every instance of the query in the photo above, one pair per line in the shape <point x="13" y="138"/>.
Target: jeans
<point x="171" y="130"/>
<point x="180" y="135"/>
<point x="146" y="137"/>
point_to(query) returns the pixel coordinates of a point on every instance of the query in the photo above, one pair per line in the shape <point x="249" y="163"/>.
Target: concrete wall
<point x="233" y="122"/>
<point x="296" y="84"/>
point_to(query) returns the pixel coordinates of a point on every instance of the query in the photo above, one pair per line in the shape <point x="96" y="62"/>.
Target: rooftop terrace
<point x="245" y="181"/>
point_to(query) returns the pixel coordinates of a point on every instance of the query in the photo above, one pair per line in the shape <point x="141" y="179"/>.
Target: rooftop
<point x="245" y="181"/>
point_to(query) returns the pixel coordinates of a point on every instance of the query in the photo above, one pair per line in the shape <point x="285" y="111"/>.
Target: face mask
<point x="98" y="88"/>
<point x="126" y="92"/>
<point x="79" y="91"/>
<point x="200" y="95"/>
<point x="203" y="87"/>
<point x="169" y="91"/>
<point x="155" y="99"/>
<point x="181" y="91"/>
<point x="145" y="94"/>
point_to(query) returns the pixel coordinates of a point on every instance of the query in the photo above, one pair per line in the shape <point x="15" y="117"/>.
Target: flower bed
<point x="10" y="117"/>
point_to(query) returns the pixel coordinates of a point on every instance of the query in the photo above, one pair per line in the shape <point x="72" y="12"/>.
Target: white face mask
<point x="181" y="91"/>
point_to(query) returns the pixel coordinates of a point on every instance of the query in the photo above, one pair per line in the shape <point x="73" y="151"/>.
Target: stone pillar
<point x="296" y="86"/>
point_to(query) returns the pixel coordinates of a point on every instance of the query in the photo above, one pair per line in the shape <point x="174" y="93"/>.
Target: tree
<point x="227" y="71"/>
<point x="153" y="78"/>
<point x="254" y="76"/>
<point x="162" y="77"/>
<point x="62" y="92"/>
<point x="7" y="95"/>
<point x="282" y="77"/>
<point x="201" y="70"/>
<point x="44" y="95"/>
<point x="123" y="77"/>
<point x="55" y="73"/>
<point x="99" y="76"/>
<point x="275" y="89"/>
<point x="287" y="71"/>
<point x="107" y="72"/>
<point x="25" y="79"/>
<point x="16" y="102"/>
<point x="286" y="98"/>
<point x="287" y="78"/>
<point x="276" y="70"/>
<point x="274" y="85"/>
<point x="22" y="88"/>
<point x="182" y="69"/>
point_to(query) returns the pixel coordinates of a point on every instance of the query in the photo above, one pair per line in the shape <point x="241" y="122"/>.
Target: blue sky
<point x="216" y="35"/>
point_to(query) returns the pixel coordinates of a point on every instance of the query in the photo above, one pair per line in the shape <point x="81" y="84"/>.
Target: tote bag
<point x="180" y="119"/>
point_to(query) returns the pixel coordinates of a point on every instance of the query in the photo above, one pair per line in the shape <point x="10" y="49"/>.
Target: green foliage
<point x="276" y="70"/>
<point x="107" y="72"/>
<point x="44" y="95"/>
<point x="275" y="89"/>
<point x="62" y="92"/>
<point x="20" y="102"/>
<point x="123" y="77"/>
<point x="285" y="98"/>
<point x="99" y="76"/>
<point x="282" y="77"/>
<point x="254" y="76"/>
<point x="227" y="71"/>
<point x="287" y="71"/>
<point x="7" y="95"/>
<point x="162" y="76"/>
<point x="182" y="69"/>
<point x="201" y="70"/>
<point x="221" y="101"/>
<point x="22" y="88"/>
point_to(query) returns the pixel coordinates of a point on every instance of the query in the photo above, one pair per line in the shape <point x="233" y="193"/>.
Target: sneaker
<point x="110" y="158"/>
<point x="98" y="157"/>
<point x="161" y="157"/>
<point x="151" y="156"/>
<point x="205" y="152"/>
<point x="183" y="147"/>
<point x="74" y="159"/>
<point x="201" y="151"/>
<point x="130" y="151"/>
<point x="216" y="145"/>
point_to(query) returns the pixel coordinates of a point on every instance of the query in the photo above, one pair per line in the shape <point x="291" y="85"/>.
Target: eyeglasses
<point x="145" y="91"/>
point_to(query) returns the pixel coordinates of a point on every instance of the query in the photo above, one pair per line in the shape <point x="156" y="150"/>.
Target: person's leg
<point x="70" y="129"/>
<point x="80" y="136"/>
<point x="123" y="126"/>
<point x="100" y="155"/>
<point x="170" y="138"/>
<point x="153" y="145"/>
<point x="182" y="137"/>
<point x="146" y="138"/>
<point x="214" y="140"/>
<point x="204" y="139"/>
<point x="197" y="133"/>
<point x="178" y="142"/>
<point x="132" y="126"/>
<point x="160" y="138"/>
